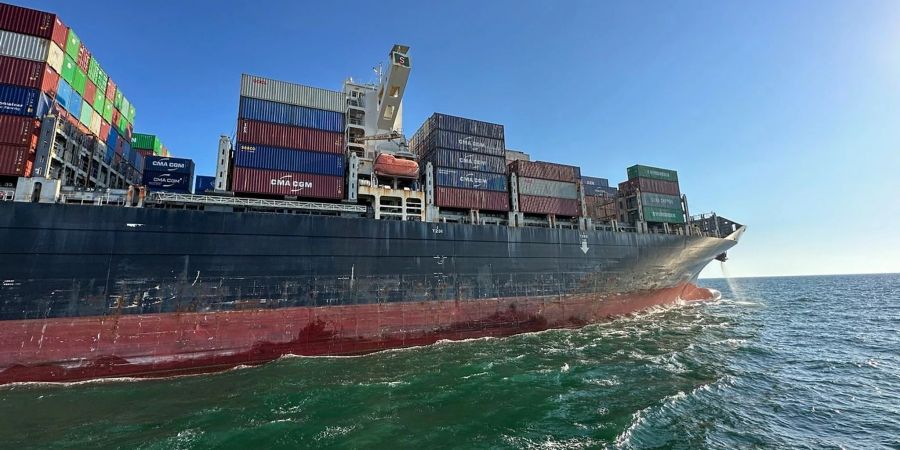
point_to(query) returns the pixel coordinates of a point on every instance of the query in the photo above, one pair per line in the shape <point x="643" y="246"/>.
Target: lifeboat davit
<point x="391" y="166"/>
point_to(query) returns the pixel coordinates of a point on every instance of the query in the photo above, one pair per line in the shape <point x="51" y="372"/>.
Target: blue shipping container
<point x="74" y="104"/>
<point x="204" y="183"/>
<point x="445" y="157"/>
<point x="111" y="140"/>
<point x="110" y="153"/>
<point x="467" y="126"/>
<point x="594" y="185"/>
<point x="298" y="116"/>
<point x="167" y="182"/>
<point x="470" y="179"/>
<point x="468" y="143"/>
<point x="165" y="164"/>
<point x="19" y="101"/>
<point x="63" y="93"/>
<point x="288" y="160"/>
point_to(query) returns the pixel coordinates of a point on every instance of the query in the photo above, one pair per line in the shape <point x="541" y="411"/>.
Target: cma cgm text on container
<point x="278" y="182"/>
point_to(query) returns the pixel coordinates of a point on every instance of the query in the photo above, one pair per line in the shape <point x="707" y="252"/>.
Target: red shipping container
<point x="115" y="117"/>
<point x="84" y="58"/>
<point x="32" y="22"/>
<point x="104" y="131"/>
<point x="458" y="198"/>
<point x="276" y="182"/>
<point x="15" y="160"/>
<point x="17" y="130"/>
<point x="548" y="205"/>
<point x="285" y="136"/>
<point x="545" y="170"/>
<point x="650" y="185"/>
<point x="28" y="74"/>
<point x="110" y="89"/>
<point x="90" y="89"/>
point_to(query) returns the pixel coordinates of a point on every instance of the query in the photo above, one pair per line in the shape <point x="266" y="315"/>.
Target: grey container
<point x="23" y="46"/>
<point x="671" y="202"/>
<point x="292" y="94"/>
<point x="547" y="188"/>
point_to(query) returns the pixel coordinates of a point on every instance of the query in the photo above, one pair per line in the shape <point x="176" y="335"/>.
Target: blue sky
<point x="781" y="115"/>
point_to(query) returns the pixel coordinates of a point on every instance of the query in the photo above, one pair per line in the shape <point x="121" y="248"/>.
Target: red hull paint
<point x="69" y="349"/>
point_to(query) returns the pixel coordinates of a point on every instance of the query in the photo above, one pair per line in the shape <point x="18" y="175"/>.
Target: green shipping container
<point x="68" y="70"/>
<point x="652" y="214"/>
<point x="99" y="101"/>
<point x="79" y="80"/>
<point x="102" y="79"/>
<point x="122" y="126"/>
<point x="672" y="202"/>
<point x="126" y="105"/>
<point x="117" y="101"/>
<point x="146" y="142"/>
<point x="93" y="71"/>
<point x="107" y="110"/>
<point x="639" y="171"/>
<point x="131" y="113"/>
<point x="73" y="43"/>
<point x="86" y="113"/>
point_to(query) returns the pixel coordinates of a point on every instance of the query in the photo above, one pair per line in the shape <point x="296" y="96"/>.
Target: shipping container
<point x="604" y="208"/>
<point x="439" y="121"/>
<point x="288" y="160"/>
<point x="99" y="101"/>
<point x="110" y="151"/>
<point x="31" y="22"/>
<point x="68" y="69"/>
<point x="63" y="93"/>
<point x="21" y="101"/>
<point x="594" y="185"/>
<point x="111" y="91"/>
<point x="204" y="183"/>
<point x="545" y="170"/>
<point x="21" y="72"/>
<point x="253" y="86"/>
<point x="104" y="129"/>
<point x="639" y="171"/>
<point x="456" y="198"/>
<point x="112" y="139"/>
<point x="84" y="58"/>
<point x="458" y="141"/>
<point x="284" y="136"/>
<point x="549" y="205"/>
<point x="456" y="159"/>
<point x="55" y="58"/>
<point x="89" y="92"/>
<point x="652" y="214"/>
<point x="277" y="182"/>
<point x="85" y="115"/>
<point x="17" y="130"/>
<point x="146" y="142"/>
<point x="23" y="46"/>
<point x="73" y="44"/>
<point x="108" y="110"/>
<point x="547" y="188"/>
<point x="298" y="116"/>
<point x="16" y="160"/>
<point x="74" y="102"/>
<point x="167" y="182"/>
<point x="649" y="185"/>
<point x="170" y="165"/>
<point x="79" y="81"/>
<point x="661" y="201"/>
<point x="96" y="121"/>
<point x="470" y="179"/>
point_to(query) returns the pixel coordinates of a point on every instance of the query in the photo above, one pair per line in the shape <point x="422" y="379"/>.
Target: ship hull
<point x="102" y="291"/>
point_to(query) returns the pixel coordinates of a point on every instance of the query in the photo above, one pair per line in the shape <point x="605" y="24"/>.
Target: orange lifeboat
<point x="391" y="166"/>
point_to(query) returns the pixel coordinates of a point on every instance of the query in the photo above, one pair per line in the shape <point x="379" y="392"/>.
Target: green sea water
<point x="808" y="362"/>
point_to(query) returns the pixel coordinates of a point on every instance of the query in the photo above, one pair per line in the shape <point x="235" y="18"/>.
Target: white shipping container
<point x="23" y="46"/>
<point x="96" y="120"/>
<point x="547" y="188"/>
<point x="293" y="94"/>
<point x="55" y="58"/>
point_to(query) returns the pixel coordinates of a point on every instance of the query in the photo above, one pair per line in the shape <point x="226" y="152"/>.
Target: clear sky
<point x="781" y="115"/>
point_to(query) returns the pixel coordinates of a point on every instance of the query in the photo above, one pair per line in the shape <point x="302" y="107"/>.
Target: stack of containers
<point x="547" y="188"/>
<point x="599" y="198"/>
<point x="44" y="64"/>
<point x="659" y="192"/>
<point x="290" y="140"/>
<point x="166" y="174"/>
<point x="469" y="164"/>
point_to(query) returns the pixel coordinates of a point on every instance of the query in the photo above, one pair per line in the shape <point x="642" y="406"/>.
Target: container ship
<point x="324" y="231"/>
